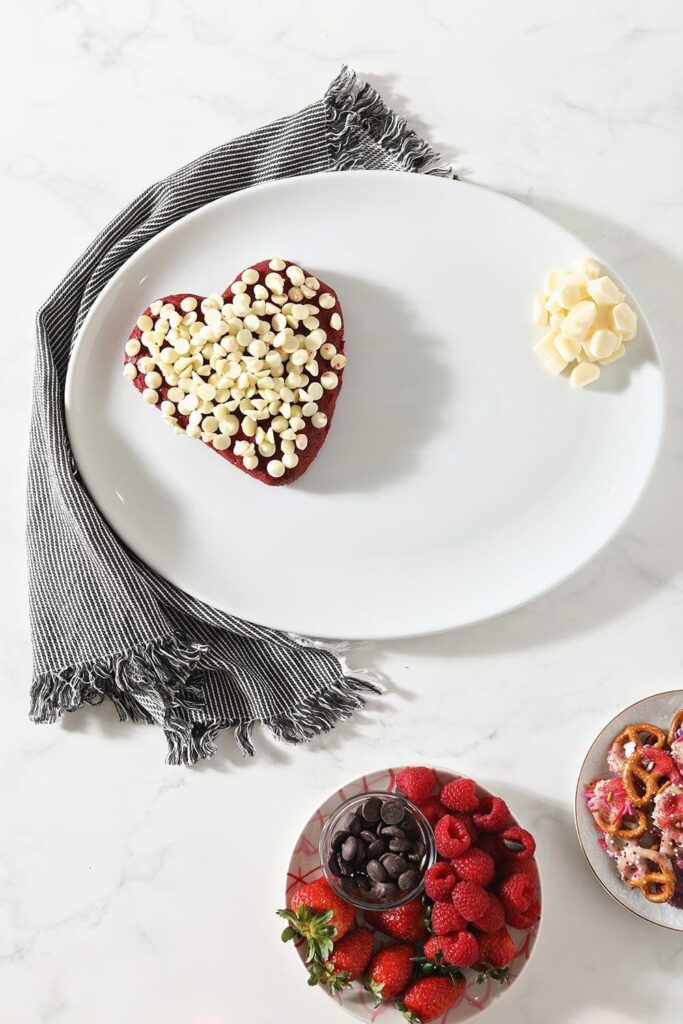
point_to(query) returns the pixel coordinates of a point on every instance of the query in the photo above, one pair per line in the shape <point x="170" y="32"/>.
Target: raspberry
<point x="452" y="835"/>
<point x="524" y="919"/>
<point x="497" y="949"/>
<point x="433" y="809"/>
<point x="439" y="880"/>
<point x="493" y="918"/>
<point x="476" y="865"/>
<point x="446" y="919"/>
<point x="493" y="845"/>
<point x="493" y="814"/>
<point x="517" y="892"/>
<point x="461" y="950"/>
<point x="470" y="899"/>
<point x="460" y="795"/>
<point x="519" y="867"/>
<point x="416" y="783"/>
<point x="519" y="843"/>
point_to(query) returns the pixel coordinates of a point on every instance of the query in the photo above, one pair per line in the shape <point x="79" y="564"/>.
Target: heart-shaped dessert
<point x="254" y="373"/>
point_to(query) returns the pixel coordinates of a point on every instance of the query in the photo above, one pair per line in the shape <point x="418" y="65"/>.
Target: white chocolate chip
<point x="275" y="282"/>
<point x="277" y="264"/>
<point x="295" y="275"/>
<point x="145" y="323"/>
<point x="275" y="468"/>
<point x="132" y="347"/>
<point x="338" y="362"/>
<point x="319" y="420"/>
<point x="329" y="381"/>
<point x="130" y="371"/>
<point x="150" y="396"/>
<point x="155" y="307"/>
<point x="153" y="380"/>
<point x="327" y="301"/>
<point x="290" y="460"/>
<point x="335" y="322"/>
<point x="250" y="461"/>
<point x="221" y="442"/>
<point x="168" y="408"/>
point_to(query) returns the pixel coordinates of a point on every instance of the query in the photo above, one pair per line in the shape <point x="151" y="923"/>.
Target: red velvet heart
<point x="233" y="349"/>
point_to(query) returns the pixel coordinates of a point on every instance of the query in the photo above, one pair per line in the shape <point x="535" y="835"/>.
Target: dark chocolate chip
<point x="394" y="830"/>
<point x="392" y="812"/>
<point x="408" y="880"/>
<point x="385" y="890"/>
<point x="367" y="836"/>
<point x="376" y="849"/>
<point x="348" y="884"/>
<point x="352" y="824"/>
<point x="338" y="838"/>
<point x="349" y="848"/>
<point x="371" y="809"/>
<point x="414" y="857"/>
<point x="345" y="869"/>
<point x="394" y="865"/>
<point x="398" y="845"/>
<point x="420" y="848"/>
<point x="361" y="852"/>
<point x="364" y="883"/>
<point x="376" y="871"/>
<point x="333" y="864"/>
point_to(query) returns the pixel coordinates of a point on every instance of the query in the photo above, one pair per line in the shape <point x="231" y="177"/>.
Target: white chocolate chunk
<point x="625" y="321"/>
<point x="545" y="348"/>
<point x="591" y="268"/>
<point x="604" y="291"/>
<point x="567" y="347"/>
<point x="568" y="294"/>
<point x="553" y="280"/>
<point x="617" y="354"/>
<point x="603" y="344"/>
<point x="584" y="373"/>
<point x="540" y="313"/>
<point x="556" y="364"/>
<point x="579" y="320"/>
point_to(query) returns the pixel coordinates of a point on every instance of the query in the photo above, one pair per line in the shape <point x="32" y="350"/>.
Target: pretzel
<point x="650" y="871"/>
<point x="676" y="723"/>
<point x="643" y="784"/>
<point x="626" y="826"/>
<point x="642" y="734"/>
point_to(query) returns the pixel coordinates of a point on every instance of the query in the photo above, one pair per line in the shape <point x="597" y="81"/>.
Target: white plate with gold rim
<point x="458" y="480"/>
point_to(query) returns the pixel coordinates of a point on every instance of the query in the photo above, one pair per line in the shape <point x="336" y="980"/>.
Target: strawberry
<point x="497" y="949"/>
<point x="460" y="795"/>
<point x="493" y="918"/>
<point x="453" y="835"/>
<point x="416" y="783"/>
<point x="405" y="922"/>
<point x="474" y="865"/>
<point x="318" y="915"/>
<point x="429" y="998"/>
<point x="445" y="918"/>
<point x="433" y="809"/>
<point x="348" y="960"/>
<point x="439" y="880"/>
<point x="389" y="971"/>
<point x="471" y="900"/>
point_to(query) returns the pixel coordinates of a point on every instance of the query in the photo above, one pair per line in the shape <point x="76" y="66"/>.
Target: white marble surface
<point x="120" y="895"/>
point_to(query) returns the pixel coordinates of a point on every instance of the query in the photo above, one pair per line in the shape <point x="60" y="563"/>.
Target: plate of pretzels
<point x="629" y="808"/>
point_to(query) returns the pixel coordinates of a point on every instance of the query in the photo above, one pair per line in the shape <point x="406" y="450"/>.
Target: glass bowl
<point x="333" y="825"/>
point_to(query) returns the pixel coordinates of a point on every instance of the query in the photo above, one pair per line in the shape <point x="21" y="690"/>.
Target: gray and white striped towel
<point x="103" y="624"/>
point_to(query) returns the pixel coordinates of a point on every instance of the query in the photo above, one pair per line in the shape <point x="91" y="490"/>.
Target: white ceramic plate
<point x="458" y="480"/>
<point x="658" y="710"/>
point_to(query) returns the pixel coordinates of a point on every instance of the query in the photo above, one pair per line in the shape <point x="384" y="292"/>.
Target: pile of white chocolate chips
<point x="254" y="366"/>
<point x="588" y="319"/>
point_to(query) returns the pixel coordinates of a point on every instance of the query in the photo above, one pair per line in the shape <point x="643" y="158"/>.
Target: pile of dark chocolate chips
<point x="378" y="852"/>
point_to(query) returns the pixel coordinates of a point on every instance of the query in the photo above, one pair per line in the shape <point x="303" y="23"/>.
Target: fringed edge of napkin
<point x="160" y="683"/>
<point x="357" y="113"/>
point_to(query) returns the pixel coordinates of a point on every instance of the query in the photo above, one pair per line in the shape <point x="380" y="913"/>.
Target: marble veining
<point x="119" y="891"/>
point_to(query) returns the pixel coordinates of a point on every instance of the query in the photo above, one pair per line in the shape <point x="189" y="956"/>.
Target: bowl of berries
<point x="629" y="808"/>
<point x="413" y="893"/>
